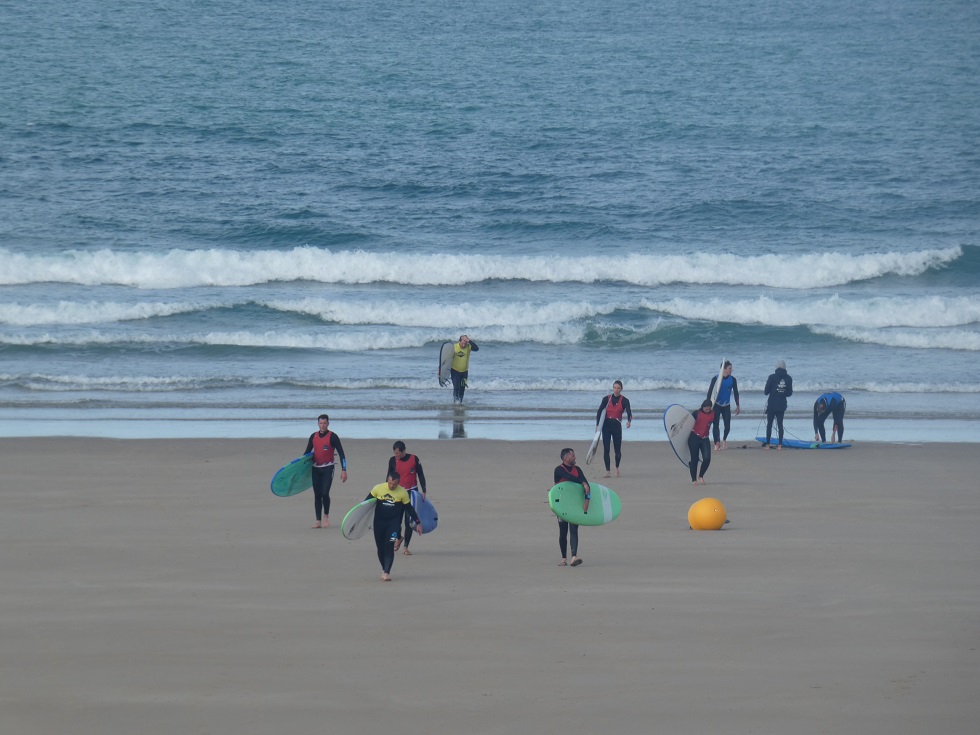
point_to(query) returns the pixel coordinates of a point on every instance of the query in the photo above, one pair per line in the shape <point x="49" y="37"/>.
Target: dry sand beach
<point x="159" y="587"/>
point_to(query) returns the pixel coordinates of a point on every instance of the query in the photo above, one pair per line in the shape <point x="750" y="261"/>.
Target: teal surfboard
<point x="294" y="478"/>
<point x="358" y="519"/>
<point x="566" y="499"/>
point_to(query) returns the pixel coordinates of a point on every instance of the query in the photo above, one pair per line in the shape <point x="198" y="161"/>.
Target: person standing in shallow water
<point x="612" y="408"/>
<point x="460" y="370"/>
<point x="325" y="445"/>
<point x="779" y="387"/>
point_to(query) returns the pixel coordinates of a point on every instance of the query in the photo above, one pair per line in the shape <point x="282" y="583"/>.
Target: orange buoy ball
<point x="708" y="514"/>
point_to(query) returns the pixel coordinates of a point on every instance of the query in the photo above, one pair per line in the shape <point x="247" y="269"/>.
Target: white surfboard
<point x="593" y="446"/>
<point x="445" y="362"/>
<point x="717" y="388"/>
<point x="359" y="519"/>
<point x="678" y="423"/>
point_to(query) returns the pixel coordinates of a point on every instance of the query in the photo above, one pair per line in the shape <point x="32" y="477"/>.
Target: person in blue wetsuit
<point x="723" y="407"/>
<point x="779" y="387"/>
<point x="829" y="404"/>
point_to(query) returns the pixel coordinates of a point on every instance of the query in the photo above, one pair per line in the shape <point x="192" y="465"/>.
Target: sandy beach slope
<point x="159" y="587"/>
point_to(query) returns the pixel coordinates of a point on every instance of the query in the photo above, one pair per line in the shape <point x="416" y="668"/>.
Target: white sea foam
<point x="76" y="312"/>
<point x="869" y="313"/>
<point x="444" y="316"/>
<point x="922" y="339"/>
<point x="221" y="267"/>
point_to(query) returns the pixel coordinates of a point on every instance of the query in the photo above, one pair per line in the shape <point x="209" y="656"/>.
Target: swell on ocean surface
<point x="222" y="267"/>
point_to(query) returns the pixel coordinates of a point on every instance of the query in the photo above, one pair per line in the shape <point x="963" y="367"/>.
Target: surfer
<point x="409" y="469"/>
<point x="826" y="405"/>
<point x="699" y="442"/>
<point x="324" y="444"/>
<point x="568" y="472"/>
<point x="393" y="503"/>
<point x="779" y="387"/>
<point x="461" y="366"/>
<point x="613" y="407"/>
<point x="723" y="408"/>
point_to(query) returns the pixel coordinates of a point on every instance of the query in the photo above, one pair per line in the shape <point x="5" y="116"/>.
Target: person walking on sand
<point x="612" y="408"/>
<point x="723" y="408"/>
<point x="325" y="445"/>
<point x="409" y="469"/>
<point x="568" y="472"/>
<point x="779" y="387"/>
<point x="826" y="405"/>
<point x="392" y="504"/>
<point x="698" y="441"/>
<point x="460" y="370"/>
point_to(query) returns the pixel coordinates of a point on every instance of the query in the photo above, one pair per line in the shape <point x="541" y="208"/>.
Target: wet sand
<point x="159" y="587"/>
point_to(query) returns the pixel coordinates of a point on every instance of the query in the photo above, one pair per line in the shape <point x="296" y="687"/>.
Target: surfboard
<point x="717" y="388"/>
<point x="678" y="423"/>
<point x="294" y="478"/>
<point x="358" y="519"/>
<point x="566" y="498"/>
<point x="426" y="510"/>
<point x="593" y="446"/>
<point x="799" y="444"/>
<point x="445" y="362"/>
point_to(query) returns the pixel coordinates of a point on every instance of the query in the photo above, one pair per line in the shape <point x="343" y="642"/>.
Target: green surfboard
<point x="566" y="499"/>
<point x="294" y="478"/>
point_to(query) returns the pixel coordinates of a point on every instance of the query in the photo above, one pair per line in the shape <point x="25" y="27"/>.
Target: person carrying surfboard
<point x="409" y="468"/>
<point x="699" y="442"/>
<point x="826" y="405"/>
<point x="568" y="472"/>
<point x="612" y="408"/>
<point x="723" y="408"/>
<point x="460" y="370"/>
<point x="393" y="502"/>
<point x="324" y="444"/>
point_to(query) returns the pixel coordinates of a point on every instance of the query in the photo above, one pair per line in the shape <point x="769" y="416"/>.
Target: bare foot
<point x="617" y="472"/>
<point x="701" y="481"/>
<point x="694" y="482"/>
<point x="326" y="521"/>
<point x="406" y="552"/>
<point x="606" y="475"/>
<point x="724" y="446"/>
<point x="563" y="563"/>
<point x="398" y="543"/>
<point x="779" y="448"/>
<point x="765" y="446"/>
<point x="576" y="561"/>
<point x="386" y="577"/>
<point x="318" y="525"/>
<point x="717" y="447"/>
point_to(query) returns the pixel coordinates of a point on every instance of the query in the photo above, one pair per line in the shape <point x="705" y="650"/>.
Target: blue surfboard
<point x="426" y="510"/>
<point x="798" y="444"/>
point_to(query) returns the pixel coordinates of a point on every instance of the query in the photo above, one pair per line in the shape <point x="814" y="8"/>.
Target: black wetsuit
<point x="568" y="531"/>
<point x="412" y="484"/>
<point x="612" y="429"/>
<point x="779" y="387"/>
<point x="323" y="476"/>
<point x="388" y="513"/>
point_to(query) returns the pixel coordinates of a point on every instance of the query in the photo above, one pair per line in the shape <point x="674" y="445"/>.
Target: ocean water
<point x="222" y="218"/>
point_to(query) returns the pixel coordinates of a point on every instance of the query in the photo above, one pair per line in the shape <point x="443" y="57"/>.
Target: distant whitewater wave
<point x="932" y="311"/>
<point x="222" y="267"/>
<point x="922" y="339"/>
<point x="156" y="384"/>
<point x="75" y="312"/>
